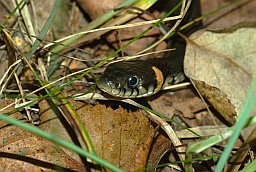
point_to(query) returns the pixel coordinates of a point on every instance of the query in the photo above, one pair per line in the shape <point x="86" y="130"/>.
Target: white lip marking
<point x="150" y="90"/>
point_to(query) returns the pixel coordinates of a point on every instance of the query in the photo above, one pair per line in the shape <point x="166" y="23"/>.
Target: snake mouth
<point x="104" y="86"/>
<point x="112" y="89"/>
<point x="109" y="87"/>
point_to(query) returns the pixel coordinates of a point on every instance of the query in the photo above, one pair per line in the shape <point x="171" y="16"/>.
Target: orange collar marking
<point x="159" y="78"/>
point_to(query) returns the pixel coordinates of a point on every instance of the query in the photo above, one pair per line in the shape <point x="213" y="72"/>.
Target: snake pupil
<point x="133" y="82"/>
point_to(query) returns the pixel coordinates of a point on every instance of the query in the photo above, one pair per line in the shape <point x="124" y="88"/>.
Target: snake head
<point x="130" y="79"/>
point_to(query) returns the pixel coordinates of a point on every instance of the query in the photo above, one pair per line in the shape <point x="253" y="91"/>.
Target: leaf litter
<point x="119" y="132"/>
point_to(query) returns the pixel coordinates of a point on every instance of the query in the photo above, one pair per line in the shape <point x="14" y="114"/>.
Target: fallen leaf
<point x="23" y="151"/>
<point x="238" y="12"/>
<point x="120" y="137"/>
<point x="224" y="60"/>
<point x="123" y="138"/>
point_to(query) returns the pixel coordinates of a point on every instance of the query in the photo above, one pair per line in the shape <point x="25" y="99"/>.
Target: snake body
<point x="138" y="78"/>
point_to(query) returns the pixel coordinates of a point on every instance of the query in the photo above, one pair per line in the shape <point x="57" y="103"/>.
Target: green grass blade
<point x="250" y="167"/>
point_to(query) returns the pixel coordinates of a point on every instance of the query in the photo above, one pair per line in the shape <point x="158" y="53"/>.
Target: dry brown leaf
<point x="239" y="11"/>
<point x="22" y="151"/>
<point x="32" y="153"/>
<point x="120" y="137"/>
<point x="224" y="60"/>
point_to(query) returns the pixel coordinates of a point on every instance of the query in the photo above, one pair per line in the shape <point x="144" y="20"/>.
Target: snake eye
<point x="133" y="82"/>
